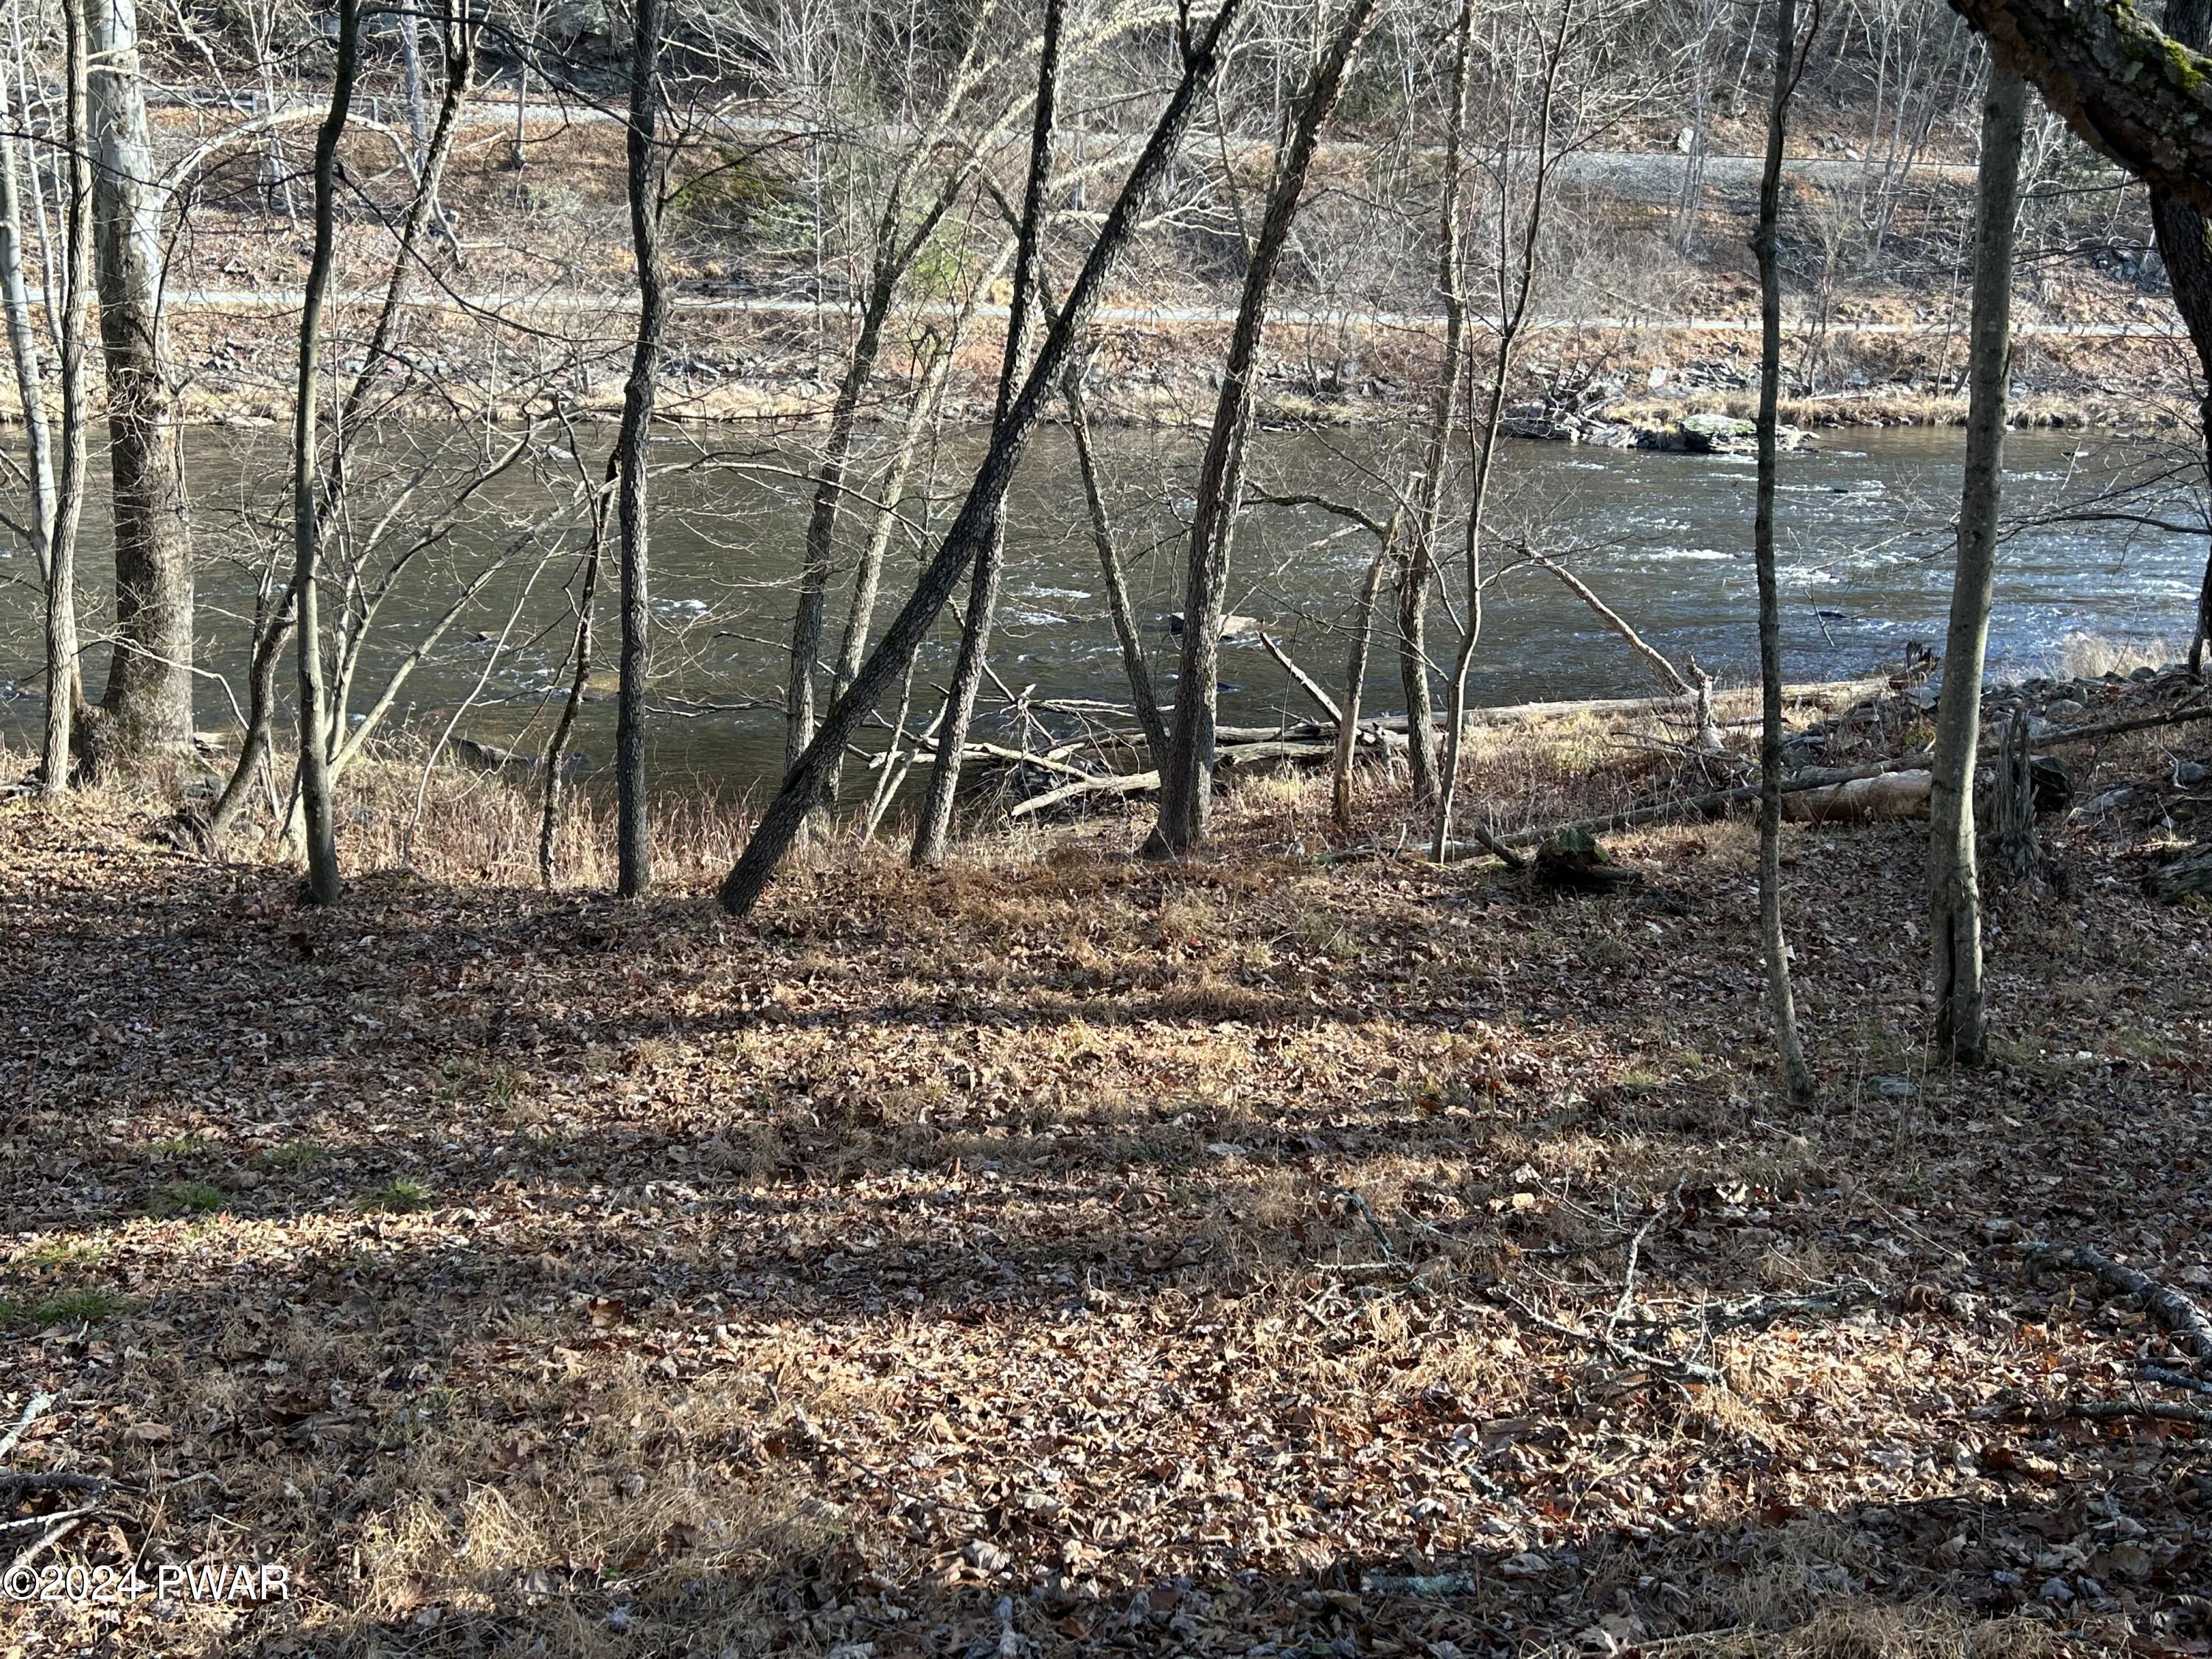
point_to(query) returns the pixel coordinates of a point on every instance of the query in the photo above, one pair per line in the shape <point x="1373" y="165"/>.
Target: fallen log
<point x="1121" y="783"/>
<point x="1886" y="795"/>
<point x="2180" y="880"/>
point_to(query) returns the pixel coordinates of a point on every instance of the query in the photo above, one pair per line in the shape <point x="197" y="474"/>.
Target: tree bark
<point x="62" y="672"/>
<point x="23" y="344"/>
<point x="557" y="752"/>
<point x="1954" y="905"/>
<point x="1796" y="1076"/>
<point x="934" y="829"/>
<point x="1419" y="574"/>
<point x="819" y="562"/>
<point x="317" y="811"/>
<point x="803" y="782"/>
<point x="2185" y="242"/>
<point x="1187" y="778"/>
<point x="646" y="166"/>
<point x="2130" y="89"/>
<point x="148" y="701"/>
<point x="1355" y="679"/>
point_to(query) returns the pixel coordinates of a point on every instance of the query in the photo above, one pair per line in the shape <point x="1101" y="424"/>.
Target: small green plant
<point x="295" y="1157"/>
<point x="176" y="1198"/>
<point x="63" y="1253"/>
<point x="398" y="1197"/>
<point x="76" y="1306"/>
<point x="178" y="1146"/>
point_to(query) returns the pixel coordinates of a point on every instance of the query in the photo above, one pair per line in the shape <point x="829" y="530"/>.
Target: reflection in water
<point x="1664" y="538"/>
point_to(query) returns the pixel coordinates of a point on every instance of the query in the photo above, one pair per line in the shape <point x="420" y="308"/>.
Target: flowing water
<point x="1664" y="538"/>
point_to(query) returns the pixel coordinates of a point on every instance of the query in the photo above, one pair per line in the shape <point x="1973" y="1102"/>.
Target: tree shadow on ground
<point x="538" y="1270"/>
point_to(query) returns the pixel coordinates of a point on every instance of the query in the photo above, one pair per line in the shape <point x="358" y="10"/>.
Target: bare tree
<point x="63" y="694"/>
<point x="901" y="234"/>
<point x="1419" y="576"/>
<point x="317" y="814"/>
<point x="23" y="345"/>
<point x="1202" y="52"/>
<point x="277" y="608"/>
<point x="148" y="703"/>
<point x="1187" y="774"/>
<point x="1142" y="695"/>
<point x="648" y="169"/>
<point x="1788" y="65"/>
<point x="1954" y="907"/>
<point x="936" y="822"/>
<point x="1520" y="230"/>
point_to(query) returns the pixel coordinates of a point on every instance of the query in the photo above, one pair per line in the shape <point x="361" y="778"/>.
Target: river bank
<point x="777" y="367"/>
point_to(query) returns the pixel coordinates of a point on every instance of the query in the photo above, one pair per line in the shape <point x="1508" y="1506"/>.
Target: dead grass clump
<point x="2084" y="656"/>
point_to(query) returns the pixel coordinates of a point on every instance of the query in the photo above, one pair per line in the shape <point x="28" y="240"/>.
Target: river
<point x="1664" y="538"/>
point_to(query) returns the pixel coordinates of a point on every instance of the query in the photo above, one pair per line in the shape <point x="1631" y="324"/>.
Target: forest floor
<point x="1067" y="1254"/>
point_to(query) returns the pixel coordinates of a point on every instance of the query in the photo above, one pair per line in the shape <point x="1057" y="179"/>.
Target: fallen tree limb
<point x="1758" y="1312"/>
<point x="2178" y="1315"/>
<point x="2174" y="1379"/>
<point x="1306" y="681"/>
<point x="1615" y="621"/>
<point x="2195" y="711"/>
<point x="37" y="1406"/>
<point x="1682" y="1370"/>
<point x="2163" y="1410"/>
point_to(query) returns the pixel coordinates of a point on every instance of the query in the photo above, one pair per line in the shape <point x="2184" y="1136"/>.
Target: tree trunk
<point x="317" y="810"/>
<point x="1187" y="778"/>
<point x="149" y="699"/>
<point x="557" y="752"/>
<point x="1955" y="906"/>
<point x="1419" y="574"/>
<point x="647" y="166"/>
<point x="23" y="343"/>
<point x="272" y="627"/>
<point x="935" y="827"/>
<point x="2185" y="243"/>
<point x="62" y="672"/>
<point x="1355" y="679"/>
<point x="1796" y="1077"/>
<point x="1513" y="309"/>
<point x="819" y="562"/>
<point x="803" y="782"/>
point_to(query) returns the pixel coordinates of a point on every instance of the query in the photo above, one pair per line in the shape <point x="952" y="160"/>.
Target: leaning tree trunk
<point x="1954" y="905"/>
<point x="149" y="699"/>
<point x="317" y="814"/>
<point x="647" y="165"/>
<point x="804" y="780"/>
<point x="1186" y="775"/>
<point x="935" y="827"/>
<point x="1787" y="65"/>
<point x="76" y="283"/>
